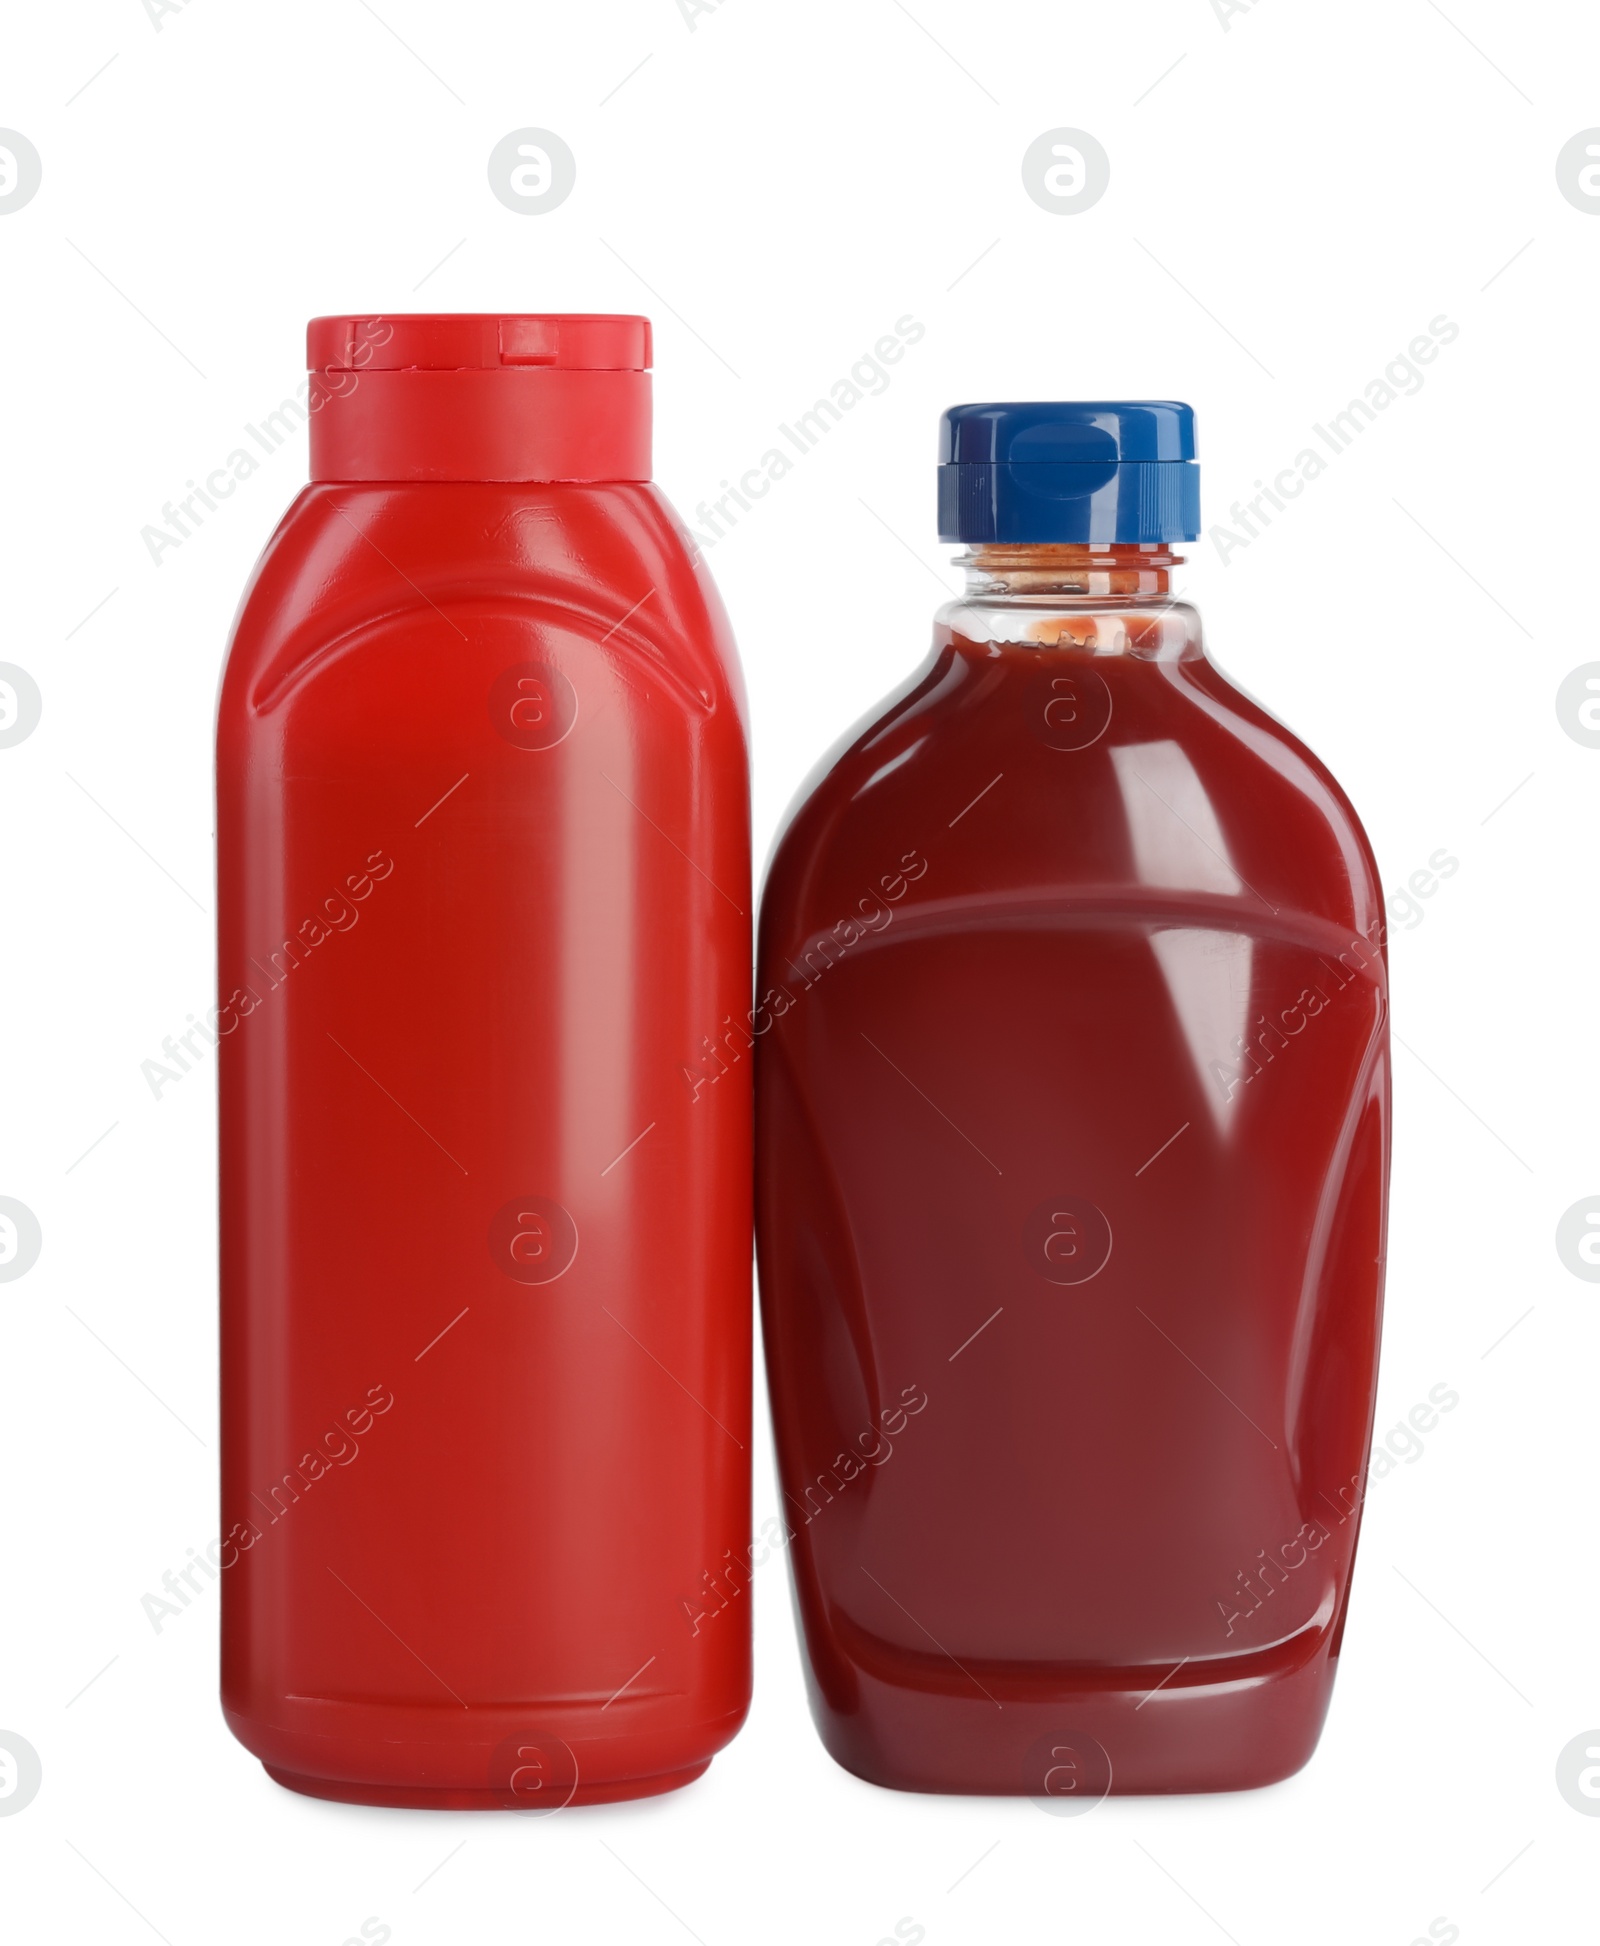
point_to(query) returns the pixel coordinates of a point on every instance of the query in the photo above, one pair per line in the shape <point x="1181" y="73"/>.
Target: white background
<point x="776" y="185"/>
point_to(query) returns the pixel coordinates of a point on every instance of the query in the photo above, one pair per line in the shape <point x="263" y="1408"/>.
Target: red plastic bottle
<point x="1072" y="1163"/>
<point x="483" y="869"/>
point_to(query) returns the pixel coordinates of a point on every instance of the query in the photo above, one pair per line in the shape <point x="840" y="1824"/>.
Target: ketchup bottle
<point x="483" y="886"/>
<point x="1073" y="1106"/>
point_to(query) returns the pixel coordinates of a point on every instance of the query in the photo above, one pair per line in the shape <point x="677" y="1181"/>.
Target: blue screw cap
<point x="1081" y="471"/>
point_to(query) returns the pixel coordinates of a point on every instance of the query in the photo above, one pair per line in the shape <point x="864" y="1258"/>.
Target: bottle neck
<point x="996" y="571"/>
<point x="1111" y="599"/>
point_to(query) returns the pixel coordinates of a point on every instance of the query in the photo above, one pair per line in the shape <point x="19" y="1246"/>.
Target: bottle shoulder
<point x="1125" y="783"/>
<point x="610" y="563"/>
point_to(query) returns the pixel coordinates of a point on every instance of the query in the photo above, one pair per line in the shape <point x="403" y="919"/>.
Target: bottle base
<point x="413" y="1797"/>
<point x="1070" y="1740"/>
<point x="426" y="1758"/>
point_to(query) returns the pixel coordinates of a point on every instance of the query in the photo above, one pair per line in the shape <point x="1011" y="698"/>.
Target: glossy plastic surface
<point x="483" y="869"/>
<point x="1072" y="1161"/>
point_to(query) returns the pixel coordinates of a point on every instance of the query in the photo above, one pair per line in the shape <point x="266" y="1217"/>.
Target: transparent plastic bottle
<point x="1072" y="1154"/>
